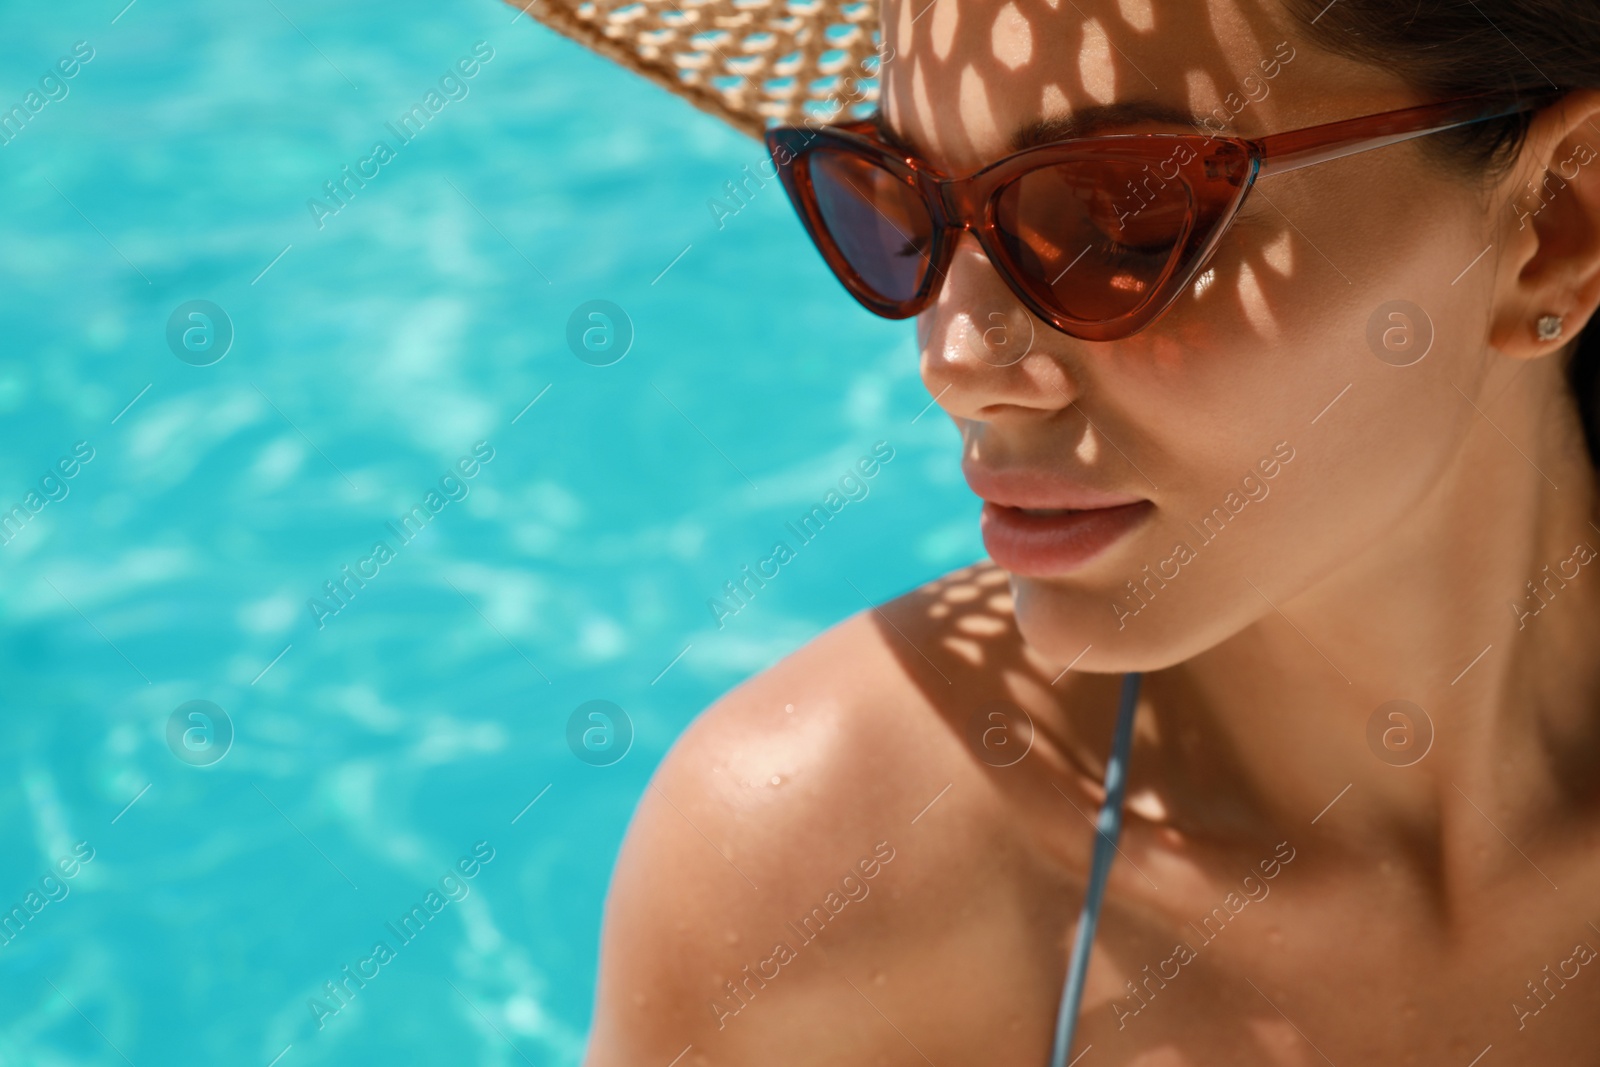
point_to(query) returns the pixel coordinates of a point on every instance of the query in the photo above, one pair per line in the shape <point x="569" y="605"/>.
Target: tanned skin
<point x="1286" y="893"/>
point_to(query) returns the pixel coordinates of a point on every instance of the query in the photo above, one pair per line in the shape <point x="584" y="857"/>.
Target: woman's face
<point x="1264" y="416"/>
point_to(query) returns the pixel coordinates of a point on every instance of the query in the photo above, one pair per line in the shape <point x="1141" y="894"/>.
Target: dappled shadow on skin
<point x="957" y="640"/>
<point x="964" y="77"/>
<point x="952" y="89"/>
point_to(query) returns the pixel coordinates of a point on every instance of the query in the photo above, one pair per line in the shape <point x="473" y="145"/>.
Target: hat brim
<point x="750" y="63"/>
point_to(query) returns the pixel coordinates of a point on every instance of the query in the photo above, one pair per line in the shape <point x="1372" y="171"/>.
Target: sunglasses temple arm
<point x="1303" y="148"/>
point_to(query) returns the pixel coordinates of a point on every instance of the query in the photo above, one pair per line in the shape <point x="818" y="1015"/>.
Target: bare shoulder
<point x="771" y="850"/>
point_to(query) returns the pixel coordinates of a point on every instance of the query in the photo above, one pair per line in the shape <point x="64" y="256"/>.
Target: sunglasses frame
<point x="1218" y="177"/>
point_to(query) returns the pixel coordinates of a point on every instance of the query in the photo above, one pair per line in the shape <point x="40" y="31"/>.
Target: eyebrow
<point x="1088" y="121"/>
<point x="1084" y="122"/>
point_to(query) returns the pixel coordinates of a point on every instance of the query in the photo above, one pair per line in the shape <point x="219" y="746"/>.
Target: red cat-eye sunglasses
<point x="1096" y="235"/>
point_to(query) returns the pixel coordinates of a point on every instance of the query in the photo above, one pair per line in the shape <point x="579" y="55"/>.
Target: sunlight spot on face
<point x="1272" y="1033"/>
<point x="1203" y="93"/>
<point x="1054" y="102"/>
<point x="1137" y="13"/>
<point x="993" y="577"/>
<point x="903" y="30"/>
<point x="945" y="14"/>
<point x="892" y="94"/>
<point x="1094" y="64"/>
<point x="964" y="593"/>
<point x="927" y="124"/>
<point x="1280" y="254"/>
<point x="1012" y="38"/>
<point x="962" y="343"/>
<point x="1202" y="283"/>
<point x="1254" y="300"/>
<point x="976" y="115"/>
<point x="1088" y="449"/>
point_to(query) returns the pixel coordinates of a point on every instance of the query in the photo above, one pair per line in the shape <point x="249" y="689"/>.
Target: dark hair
<point x="1451" y="48"/>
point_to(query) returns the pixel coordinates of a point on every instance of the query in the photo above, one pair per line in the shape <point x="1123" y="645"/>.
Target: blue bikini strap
<point x="1109" y="829"/>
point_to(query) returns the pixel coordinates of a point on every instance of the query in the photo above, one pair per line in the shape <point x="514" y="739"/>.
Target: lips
<point x="1038" y="524"/>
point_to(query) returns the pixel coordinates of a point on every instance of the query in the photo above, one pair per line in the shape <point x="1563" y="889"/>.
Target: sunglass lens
<point x="1093" y="238"/>
<point x="878" y="222"/>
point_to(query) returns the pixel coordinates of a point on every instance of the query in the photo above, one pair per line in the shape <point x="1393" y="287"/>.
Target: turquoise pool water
<point x="415" y="733"/>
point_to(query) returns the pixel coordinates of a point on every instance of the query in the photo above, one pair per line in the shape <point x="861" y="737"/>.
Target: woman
<point x="1335" y="503"/>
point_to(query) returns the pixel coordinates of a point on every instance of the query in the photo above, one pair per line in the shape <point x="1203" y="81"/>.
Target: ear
<point x="1547" y="227"/>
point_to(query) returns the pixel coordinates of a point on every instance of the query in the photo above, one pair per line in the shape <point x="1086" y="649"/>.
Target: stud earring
<point x="1549" y="327"/>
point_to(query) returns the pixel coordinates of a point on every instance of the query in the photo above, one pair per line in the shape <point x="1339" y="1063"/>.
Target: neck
<point x="1481" y="608"/>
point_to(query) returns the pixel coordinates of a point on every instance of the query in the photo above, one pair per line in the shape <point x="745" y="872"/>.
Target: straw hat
<point x="749" y="62"/>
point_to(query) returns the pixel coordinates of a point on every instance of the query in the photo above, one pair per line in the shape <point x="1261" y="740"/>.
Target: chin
<point x="1060" y="622"/>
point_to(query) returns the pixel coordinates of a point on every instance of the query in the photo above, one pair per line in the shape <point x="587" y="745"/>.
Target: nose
<point x="985" y="356"/>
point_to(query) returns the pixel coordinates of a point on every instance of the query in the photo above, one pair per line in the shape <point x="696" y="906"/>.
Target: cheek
<point x="1291" y="317"/>
<point x="1276" y="349"/>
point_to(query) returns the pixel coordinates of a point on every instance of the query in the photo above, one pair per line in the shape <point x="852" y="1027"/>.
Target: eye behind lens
<point x="876" y="220"/>
<point x="1092" y="238"/>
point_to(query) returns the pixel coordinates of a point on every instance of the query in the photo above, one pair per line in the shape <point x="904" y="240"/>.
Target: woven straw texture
<point x="751" y="63"/>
